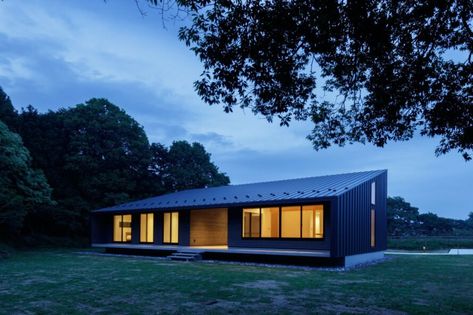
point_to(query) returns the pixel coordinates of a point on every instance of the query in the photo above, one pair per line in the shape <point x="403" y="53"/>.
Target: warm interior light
<point x="146" y="227"/>
<point x="167" y="227"/>
<point x="291" y="222"/>
<point x="122" y="228"/>
<point x="270" y="222"/>
<point x="175" y="227"/>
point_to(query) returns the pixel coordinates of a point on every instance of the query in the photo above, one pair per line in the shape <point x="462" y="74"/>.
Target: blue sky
<point x="61" y="53"/>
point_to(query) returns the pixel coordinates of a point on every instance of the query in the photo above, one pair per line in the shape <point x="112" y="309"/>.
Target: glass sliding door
<point x="147" y="227"/>
<point x="313" y="221"/>
<point x="251" y="223"/>
<point x="122" y="228"/>
<point x="291" y="222"/>
<point x="171" y="227"/>
<point x="270" y="222"/>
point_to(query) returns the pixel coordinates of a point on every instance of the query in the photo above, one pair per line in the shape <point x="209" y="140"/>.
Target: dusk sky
<point x="60" y="53"/>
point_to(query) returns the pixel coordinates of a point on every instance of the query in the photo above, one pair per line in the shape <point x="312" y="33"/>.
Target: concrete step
<point x="185" y="256"/>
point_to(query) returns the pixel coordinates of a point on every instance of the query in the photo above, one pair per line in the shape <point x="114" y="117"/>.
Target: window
<point x="373" y="228"/>
<point x="313" y="221"/>
<point x="122" y="228"/>
<point x="147" y="227"/>
<point x="373" y="193"/>
<point x="284" y="222"/>
<point x="270" y="222"/>
<point x="251" y="222"/>
<point x="291" y="222"/>
<point x="171" y="227"/>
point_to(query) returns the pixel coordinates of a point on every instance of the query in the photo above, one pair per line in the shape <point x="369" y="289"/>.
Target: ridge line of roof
<point x="281" y="180"/>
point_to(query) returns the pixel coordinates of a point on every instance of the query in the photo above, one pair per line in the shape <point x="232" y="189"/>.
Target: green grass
<point x="430" y="243"/>
<point x="59" y="282"/>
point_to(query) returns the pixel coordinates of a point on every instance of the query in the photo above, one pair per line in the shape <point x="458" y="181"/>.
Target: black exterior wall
<point x="101" y="227"/>
<point x="351" y="222"/>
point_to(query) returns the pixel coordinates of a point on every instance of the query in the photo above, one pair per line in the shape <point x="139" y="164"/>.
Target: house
<point x="329" y="220"/>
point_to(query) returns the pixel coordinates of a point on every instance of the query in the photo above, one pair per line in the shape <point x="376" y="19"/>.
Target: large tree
<point x="402" y="217"/>
<point x="186" y="166"/>
<point x="361" y="71"/>
<point x="22" y="188"/>
<point x="93" y="154"/>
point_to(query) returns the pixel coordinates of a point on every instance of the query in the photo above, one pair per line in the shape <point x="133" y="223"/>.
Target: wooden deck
<point x="218" y="249"/>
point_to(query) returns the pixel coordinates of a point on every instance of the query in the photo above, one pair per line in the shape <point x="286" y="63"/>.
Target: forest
<point x="56" y="167"/>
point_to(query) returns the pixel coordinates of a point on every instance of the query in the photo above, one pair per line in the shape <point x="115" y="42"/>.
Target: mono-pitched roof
<point x="288" y="190"/>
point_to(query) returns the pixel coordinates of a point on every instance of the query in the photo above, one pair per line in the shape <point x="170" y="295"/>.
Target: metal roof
<point x="234" y="195"/>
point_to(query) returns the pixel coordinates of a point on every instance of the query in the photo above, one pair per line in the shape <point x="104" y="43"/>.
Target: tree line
<point x="405" y="220"/>
<point x="56" y="167"/>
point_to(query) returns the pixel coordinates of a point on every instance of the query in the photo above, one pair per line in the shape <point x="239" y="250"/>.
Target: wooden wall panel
<point x="209" y="227"/>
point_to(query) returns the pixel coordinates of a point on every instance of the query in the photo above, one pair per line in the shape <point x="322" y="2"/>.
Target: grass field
<point x="430" y="243"/>
<point x="58" y="282"/>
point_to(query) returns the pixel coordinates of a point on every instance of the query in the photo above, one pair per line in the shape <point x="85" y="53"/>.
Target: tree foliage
<point x="361" y="71"/>
<point x="405" y="220"/>
<point x="402" y="217"/>
<point x="185" y="166"/>
<point x="8" y="113"/>
<point x="22" y="189"/>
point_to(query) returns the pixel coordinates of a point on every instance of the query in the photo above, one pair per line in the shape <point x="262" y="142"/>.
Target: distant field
<point x="430" y="243"/>
<point x="59" y="282"/>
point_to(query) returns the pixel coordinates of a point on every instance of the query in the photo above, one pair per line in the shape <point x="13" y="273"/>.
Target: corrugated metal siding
<point x="351" y="223"/>
<point x="284" y="191"/>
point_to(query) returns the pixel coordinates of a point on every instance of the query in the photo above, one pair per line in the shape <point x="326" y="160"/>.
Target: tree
<point x="93" y="155"/>
<point x="361" y="71"/>
<point x="22" y="189"/>
<point x="402" y="217"/>
<point x="8" y="113"/>
<point x="469" y="221"/>
<point x="107" y="154"/>
<point x="186" y="166"/>
<point x="431" y="224"/>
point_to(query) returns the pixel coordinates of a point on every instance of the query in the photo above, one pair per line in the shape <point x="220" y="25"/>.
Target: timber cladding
<point x="209" y="227"/>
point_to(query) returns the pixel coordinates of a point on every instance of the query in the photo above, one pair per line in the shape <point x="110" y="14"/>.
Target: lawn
<point x="58" y="282"/>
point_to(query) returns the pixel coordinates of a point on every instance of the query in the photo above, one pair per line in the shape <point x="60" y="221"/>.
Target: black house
<point x="334" y="219"/>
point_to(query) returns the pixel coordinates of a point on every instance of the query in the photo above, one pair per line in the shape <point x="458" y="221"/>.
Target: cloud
<point x="211" y="137"/>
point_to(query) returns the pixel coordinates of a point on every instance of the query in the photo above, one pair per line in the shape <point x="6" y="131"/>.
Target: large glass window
<point x="270" y="222"/>
<point x="171" y="227"/>
<point x="284" y="222"/>
<point x="122" y="228"/>
<point x="147" y="227"/>
<point x="251" y="222"/>
<point x="373" y="228"/>
<point x="291" y="222"/>
<point x="313" y="221"/>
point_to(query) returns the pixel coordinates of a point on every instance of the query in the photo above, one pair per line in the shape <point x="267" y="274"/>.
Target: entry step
<point x="185" y="256"/>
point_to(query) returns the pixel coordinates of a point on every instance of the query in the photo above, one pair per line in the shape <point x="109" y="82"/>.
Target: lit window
<point x="373" y="228"/>
<point x="270" y="222"/>
<point x="373" y="193"/>
<point x="313" y="221"/>
<point x="147" y="227"/>
<point x="284" y="222"/>
<point x="171" y="227"/>
<point x="122" y="228"/>
<point x="291" y="222"/>
<point x="251" y="222"/>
